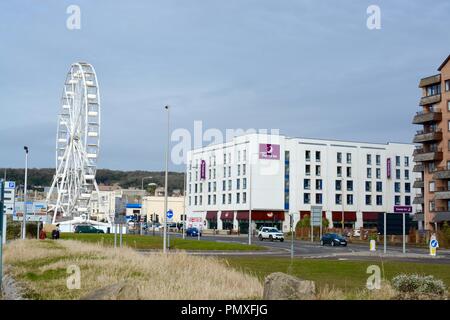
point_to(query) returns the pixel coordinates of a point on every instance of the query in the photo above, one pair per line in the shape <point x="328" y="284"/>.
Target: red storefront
<point x="349" y="219"/>
<point x="211" y="218"/>
<point x="260" y="218"/>
<point x="227" y="218"/>
<point x="304" y="213"/>
<point x="370" y="219"/>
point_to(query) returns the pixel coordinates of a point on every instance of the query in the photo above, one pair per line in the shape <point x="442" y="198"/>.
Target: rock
<point x="118" y="291"/>
<point x="281" y="286"/>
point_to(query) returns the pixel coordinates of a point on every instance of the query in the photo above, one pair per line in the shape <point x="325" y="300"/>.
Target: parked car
<point x="271" y="234"/>
<point x="87" y="229"/>
<point x="333" y="239"/>
<point x="193" y="232"/>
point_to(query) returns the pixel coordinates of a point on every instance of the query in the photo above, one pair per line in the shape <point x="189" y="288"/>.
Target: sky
<point x="309" y="68"/>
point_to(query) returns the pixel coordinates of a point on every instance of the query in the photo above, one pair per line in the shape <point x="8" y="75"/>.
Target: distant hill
<point x="43" y="177"/>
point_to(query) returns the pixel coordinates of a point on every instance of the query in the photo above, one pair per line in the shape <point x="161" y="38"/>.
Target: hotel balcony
<point x="441" y="173"/>
<point x="428" y="81"/>
<point x="442" y="193"/>
<point x="422" y="155"/>
<point x="427" y="136"/>
<point x="428" y="116"/>
<point x="418" y="183"/>
<point x="430" y="99"/>
<point x="418" y="199"/>
<point x="418" y="168"/>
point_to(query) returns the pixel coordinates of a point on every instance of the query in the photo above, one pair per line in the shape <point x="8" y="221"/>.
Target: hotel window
<point x="369" y="173"/>
<point x="397" y="200"/>
<point x="214" y="199"/>
<point x="379" y="200"/>
<point x="307" y="170"/>
<point x="407" y="187"/>
<point x="195" y="200"/>
<point x="350" y="185"/>
<point x="201" y="187"/>
<point x="209" y="186"/>
<point x="368" y="199"/>
<point x="350" y="199"/>
<point x="239" y="170"/>
<point x="190" y="201"/>
<point x="224" y="185"/>
<point x="339" y="171"/>
<point x="397" y="187"/>
<point x="244" y="169"/>
<point x="308" y="155"/>
<point x="338" y="199"/>
<point x="209" y="174"/>
<point x="407" y="200"/>
<point x="244" y="183"/>
<point x="238" y="197"/>
<point x="447" y="85"/>
<point x="369" y="159"/>
<point x="317" y="170"/>
<point x="214" y="160"/>
<point x="229" y="158"/>
<point x="339" y="157"/>
<point x="238" y="184"/>
<point x="224" y="172"/>
<point x="349" y="158"/>
<point x="214" y="173"/>
<point x="214" y="186"/>
<point x="229" y="198"/>
<point x="190" y="188"/>
<point x="397" y="161"/>
<point x="195" y="188"/>
<point x="244" y="154"/>
<point x="317" y="156"/>
<point x="379" y="186"/>
<point x="406" y="174"/>
<point x="397" y="173"/>
<point x="224" y="158"/>
<point x="229" y="172"/>
<point x="378" y="159"/>
<point x="229" y="185"/>
<point x="306" y="184"/>
<point x="378" y="173"/>
<point x="319" y="184"/>
<point x="338" y="185"/>
<point x="318" y="198"/>
<point x="349" y="172"/>
<point x="244" y="197"/>
<point x="368" y="186"/>
<point x="406" y="161"/>
<point x="200" y="200"/>
<point x="190" y="176"/>
<point x="223" y="199"/>
<point x="239" y="155"/>
<point x="306" y="198"/>
<point x="209" y="199"/>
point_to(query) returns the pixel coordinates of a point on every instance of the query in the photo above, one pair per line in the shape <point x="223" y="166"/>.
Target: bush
<point x="416" y="286"/>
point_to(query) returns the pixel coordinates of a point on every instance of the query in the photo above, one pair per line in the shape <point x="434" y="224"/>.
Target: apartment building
<point x="432" y="156"/>
<point x="276" y="176"/>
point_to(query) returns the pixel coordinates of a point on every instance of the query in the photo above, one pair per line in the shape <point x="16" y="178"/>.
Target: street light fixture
<point x="24" y="217"/>
<point x="142" y="182"/>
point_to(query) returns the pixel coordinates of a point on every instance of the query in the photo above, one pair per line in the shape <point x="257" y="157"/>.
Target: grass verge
<point x="156" y="242"/>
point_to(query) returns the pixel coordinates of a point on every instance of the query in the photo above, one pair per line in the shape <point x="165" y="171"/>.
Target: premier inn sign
<point x="269" y="151"/>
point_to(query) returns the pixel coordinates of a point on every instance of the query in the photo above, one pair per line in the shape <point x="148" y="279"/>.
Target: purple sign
<point x="388" y="167"/>
<point x="402" y="209"/>
<point x="269" y="151"/>
<point x="203" y="169"/>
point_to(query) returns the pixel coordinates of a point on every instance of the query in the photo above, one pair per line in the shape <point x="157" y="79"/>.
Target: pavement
<point x="313" y="250"/>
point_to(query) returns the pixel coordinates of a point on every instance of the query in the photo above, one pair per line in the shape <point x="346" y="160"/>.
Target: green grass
<point x="150" y="242"/>
<point x="349" y="276"/>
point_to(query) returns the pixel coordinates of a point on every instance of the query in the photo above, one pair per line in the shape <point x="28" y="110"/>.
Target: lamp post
<point x="250" y="198"/>
<point x="142" y="182"/>
<point x="166" y="179"/>
<point x="24" y="217"/>
<point x="183" y="220"/>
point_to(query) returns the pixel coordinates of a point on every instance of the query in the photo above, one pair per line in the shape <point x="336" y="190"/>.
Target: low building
<point x="276" y="176"/>
<point x="153" y="208"/>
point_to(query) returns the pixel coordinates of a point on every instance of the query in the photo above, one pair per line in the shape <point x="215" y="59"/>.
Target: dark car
<point x="333" y="239"/>
<point x="87" y="229"/>
<point x="193" y="232"/>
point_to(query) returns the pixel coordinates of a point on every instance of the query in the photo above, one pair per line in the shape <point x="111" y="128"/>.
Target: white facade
<point x="283" y="185"/>
<point x="103" y="204"/>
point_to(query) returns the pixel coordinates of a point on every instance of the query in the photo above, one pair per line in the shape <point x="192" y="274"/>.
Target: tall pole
<point x="183" y="220"/>
<point x="404" y="232"/>
<point x="2" y="187"/>
<point x="250" y="201"/>
<point x="292" y="234"/>
<point x="384" y="233"/>
<point x="165" y="181"/>
<point x="24" y="218"/>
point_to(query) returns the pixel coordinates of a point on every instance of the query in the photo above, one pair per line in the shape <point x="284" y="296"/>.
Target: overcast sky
<point x="309" y="68"/>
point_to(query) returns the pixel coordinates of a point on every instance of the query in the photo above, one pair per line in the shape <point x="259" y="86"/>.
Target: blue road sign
<point x="11" y="184"/>
<point x="169" y="214"/>
<point x="434" y="243"/>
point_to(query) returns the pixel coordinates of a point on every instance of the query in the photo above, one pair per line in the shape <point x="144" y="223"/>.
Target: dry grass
<point x="42" y="265"/>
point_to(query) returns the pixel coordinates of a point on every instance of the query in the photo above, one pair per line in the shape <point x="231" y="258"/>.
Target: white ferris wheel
<point x="77" y="144"/>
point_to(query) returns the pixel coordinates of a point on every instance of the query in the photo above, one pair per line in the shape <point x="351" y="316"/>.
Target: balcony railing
<point x="432" y="115"/>
<point x="423" y="155"/>
<point x="428" y="135"/>
<point x="442" y="173"/>
<point x="430" y="99"/>
<point x="418" y="183"/>
<point x="418" y="168"/>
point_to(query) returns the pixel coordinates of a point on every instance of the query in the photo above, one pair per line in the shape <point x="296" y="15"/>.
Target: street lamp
<point x="250" y="199"/>
<point x="142" y="182"/>
<point x="25" y="194"/>
<point x="166" y="179"/>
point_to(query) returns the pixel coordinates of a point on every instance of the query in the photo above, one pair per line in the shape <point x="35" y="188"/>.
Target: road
<point x="313" y="250"/>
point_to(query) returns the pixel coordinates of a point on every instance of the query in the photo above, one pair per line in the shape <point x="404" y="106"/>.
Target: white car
<point x="357" y="233"/>
<point x="271" y="234"/>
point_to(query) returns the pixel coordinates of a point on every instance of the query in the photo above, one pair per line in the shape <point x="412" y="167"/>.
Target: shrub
<point x="416" y="286"/>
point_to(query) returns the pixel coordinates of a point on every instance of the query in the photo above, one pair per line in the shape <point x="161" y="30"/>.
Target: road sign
<point x="394" y="223"/>
<point x="169" y="214"/>
<point x="316" y="216"/>
<point x="434" y="243"/>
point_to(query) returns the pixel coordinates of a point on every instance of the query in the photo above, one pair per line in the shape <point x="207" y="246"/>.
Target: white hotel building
<point x="279" y="176"/>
